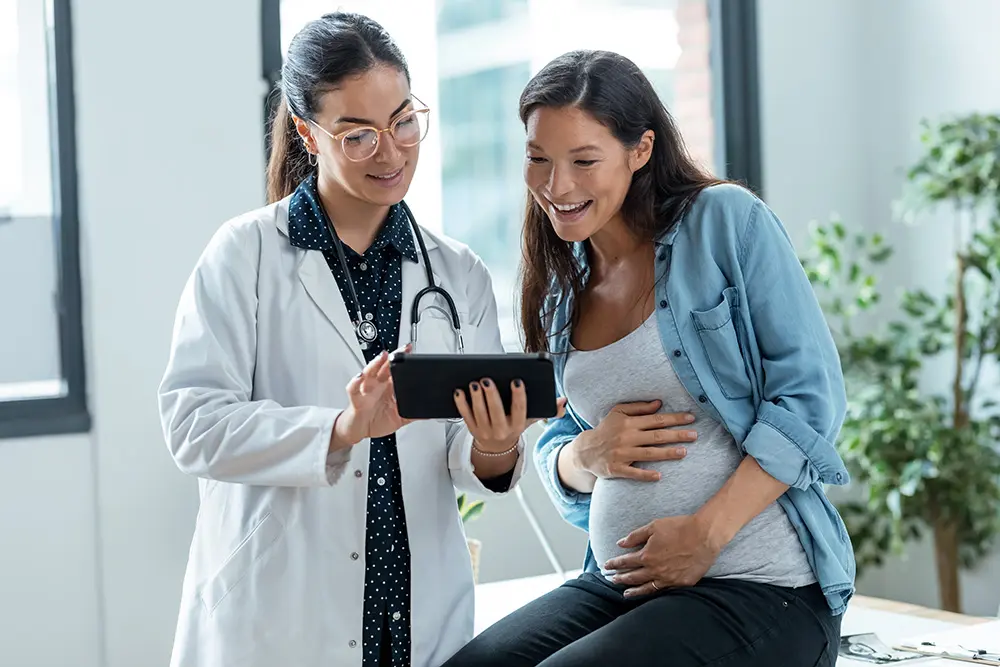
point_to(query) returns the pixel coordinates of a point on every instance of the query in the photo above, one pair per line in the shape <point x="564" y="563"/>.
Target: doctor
<point x="328" y="531"/>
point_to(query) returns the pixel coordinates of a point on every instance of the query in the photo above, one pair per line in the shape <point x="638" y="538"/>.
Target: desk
<point x="891" y="621"/>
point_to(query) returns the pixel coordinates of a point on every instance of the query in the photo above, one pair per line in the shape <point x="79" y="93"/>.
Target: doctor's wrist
<point x="341" y="436"/>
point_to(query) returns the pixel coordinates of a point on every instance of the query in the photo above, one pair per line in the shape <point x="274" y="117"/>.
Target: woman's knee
<point x="486" y="651"/>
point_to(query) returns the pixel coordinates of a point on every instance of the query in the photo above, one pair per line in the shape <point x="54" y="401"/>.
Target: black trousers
<point x="587" y="622"/>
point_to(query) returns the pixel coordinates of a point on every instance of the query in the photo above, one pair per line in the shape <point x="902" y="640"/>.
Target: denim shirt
<point x="740" y="323"/>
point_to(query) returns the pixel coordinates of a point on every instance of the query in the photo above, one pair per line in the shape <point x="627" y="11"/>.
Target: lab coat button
<point x="396" y="615"/>
<point x="381" y="481"/>
<point x="357" y="473"/>
<point x="352" y="643"/>
<point x="355" y="556"/>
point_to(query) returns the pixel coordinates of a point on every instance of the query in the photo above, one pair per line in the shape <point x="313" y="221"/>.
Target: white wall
<point x="96" y="528"/>
<point x="843" y="86"/>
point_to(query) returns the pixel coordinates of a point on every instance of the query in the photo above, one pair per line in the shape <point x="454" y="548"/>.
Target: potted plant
<point x="469" y="510"/>
<point x="927" y="460"/>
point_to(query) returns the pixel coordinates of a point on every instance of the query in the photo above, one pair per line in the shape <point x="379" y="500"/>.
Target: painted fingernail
<point x="458" y="392"/>
<point x="475" y="386"/>
<point x="486" y="383"/>
<point x="517" y="383"/>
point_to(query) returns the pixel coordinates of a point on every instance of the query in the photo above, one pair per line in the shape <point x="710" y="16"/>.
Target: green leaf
<point x="473" y="510"/>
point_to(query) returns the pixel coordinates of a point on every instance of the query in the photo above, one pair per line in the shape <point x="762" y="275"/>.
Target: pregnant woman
<point x="705" y="395"/>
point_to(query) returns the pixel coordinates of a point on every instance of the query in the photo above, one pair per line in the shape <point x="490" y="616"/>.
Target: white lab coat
<point x="262" y="349"/>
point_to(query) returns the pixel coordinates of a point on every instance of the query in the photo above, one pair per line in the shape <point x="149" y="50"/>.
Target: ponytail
<point x="289" y="163"/>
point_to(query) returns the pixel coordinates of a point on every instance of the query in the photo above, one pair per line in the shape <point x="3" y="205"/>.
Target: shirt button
<point x="352" y="643"/>
<point x="663" y="303"/>
<point x="702" y="398"/>
<point x="677" y="353"/>
<point x="364" y="267"/>
<point x="355" y="556"/>
<point x="662" y="256"/>
<point x="381" y="481"/>
<point x="357" y="473"/>
<point x="396" y="616"/>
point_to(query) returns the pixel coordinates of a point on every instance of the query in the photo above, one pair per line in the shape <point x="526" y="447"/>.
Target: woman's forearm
<point x="571" y="474"/>
<point x="744" y="495"/>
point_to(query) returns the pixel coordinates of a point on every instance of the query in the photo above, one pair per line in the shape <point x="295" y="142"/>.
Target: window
<point x="41" y="338"/>
<point x="470" y="59"/>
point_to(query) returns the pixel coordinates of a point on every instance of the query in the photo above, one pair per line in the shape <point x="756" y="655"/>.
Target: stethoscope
<point x="365" y="327"/>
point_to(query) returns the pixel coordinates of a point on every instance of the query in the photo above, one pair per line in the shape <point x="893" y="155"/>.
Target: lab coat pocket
<point x="720" y="341"/>
<point x="241" y="564"/>
<point x="436" y="333"/>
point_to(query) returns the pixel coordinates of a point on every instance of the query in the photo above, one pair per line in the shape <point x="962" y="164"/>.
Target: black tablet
<point x="425" y="384"/>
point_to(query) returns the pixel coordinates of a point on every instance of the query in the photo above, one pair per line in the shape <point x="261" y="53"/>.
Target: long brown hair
<point x="326" y="51"/>
<point x="617" y="94"/>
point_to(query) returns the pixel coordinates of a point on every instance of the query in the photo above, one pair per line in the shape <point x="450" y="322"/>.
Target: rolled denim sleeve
<point x="572" y="505"/>
<point x="804" y="401"/>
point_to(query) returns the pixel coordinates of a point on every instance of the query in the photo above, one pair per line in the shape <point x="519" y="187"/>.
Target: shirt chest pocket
<point x="719" y="337"/>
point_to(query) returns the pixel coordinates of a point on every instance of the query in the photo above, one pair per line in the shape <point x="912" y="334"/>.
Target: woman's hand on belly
<point x="631" y="433"/>
<point x="675" y="551"/>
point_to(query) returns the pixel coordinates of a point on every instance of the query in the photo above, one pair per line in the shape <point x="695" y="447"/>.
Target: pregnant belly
<point x="619" y="506"/>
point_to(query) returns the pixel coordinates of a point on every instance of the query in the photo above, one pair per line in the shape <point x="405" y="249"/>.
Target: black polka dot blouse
<point x="377" y="276"/>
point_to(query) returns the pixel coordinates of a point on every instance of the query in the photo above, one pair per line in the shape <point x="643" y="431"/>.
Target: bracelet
<point x="496" y="454"/>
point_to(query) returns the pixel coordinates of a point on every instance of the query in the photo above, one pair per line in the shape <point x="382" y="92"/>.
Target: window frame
<point x="736" y="95"/>
<point x="29" y="417"/>
<point x="736" y="90"/>
<point x="735" y="82"/>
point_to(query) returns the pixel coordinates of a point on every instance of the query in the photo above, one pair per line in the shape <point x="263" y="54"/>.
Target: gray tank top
<point x="635" y="368"/>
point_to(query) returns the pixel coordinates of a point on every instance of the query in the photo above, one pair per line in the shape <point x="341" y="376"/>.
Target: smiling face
<point x="374" y="99"/>
<point x="577" y="171"/>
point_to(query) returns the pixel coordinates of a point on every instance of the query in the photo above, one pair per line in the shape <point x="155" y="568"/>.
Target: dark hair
<point x="326" y="51"/>
<point x="617" y="94"/>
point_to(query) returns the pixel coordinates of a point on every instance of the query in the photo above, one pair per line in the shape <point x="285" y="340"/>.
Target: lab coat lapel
<point x="315" y="275"/>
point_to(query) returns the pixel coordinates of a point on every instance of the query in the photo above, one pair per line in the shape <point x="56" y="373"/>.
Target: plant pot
<point x="475" y="548"/>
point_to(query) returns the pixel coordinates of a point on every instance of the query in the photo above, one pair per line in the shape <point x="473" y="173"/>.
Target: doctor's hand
<point x="631" y="432"/>
<point x="372" y="411"/>
<point x="483" y="411"/>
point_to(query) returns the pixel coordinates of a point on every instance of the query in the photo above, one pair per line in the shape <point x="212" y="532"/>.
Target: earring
<point x="312" y="159"/>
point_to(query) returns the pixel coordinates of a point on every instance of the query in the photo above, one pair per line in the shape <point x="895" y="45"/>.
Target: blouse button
<point x="381" y="481"/>
<point x="396" y="615"/>
<point x="364" y="267"/>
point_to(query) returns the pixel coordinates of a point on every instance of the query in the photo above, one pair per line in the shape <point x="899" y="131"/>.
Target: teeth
<point x="569" y="208"/>
<point x="388" y="177"/>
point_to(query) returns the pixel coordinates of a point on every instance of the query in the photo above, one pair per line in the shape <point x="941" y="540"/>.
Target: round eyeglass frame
<point x="340" y="137"/>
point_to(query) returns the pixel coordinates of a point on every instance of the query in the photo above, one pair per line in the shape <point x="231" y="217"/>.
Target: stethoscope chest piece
<point x="367" y="332"/>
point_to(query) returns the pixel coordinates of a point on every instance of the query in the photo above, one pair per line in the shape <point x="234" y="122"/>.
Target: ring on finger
<point x="654" y="585"/>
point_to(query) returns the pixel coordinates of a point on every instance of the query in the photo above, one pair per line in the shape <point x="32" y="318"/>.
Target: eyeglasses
<point x="360" y="143"/>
